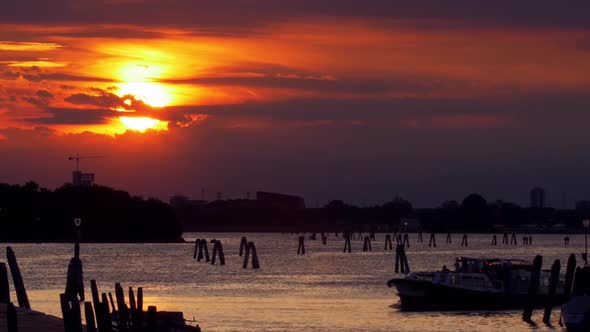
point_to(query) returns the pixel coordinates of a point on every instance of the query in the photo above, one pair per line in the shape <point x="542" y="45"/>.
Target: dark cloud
<point x="228" y="16"/>
<point x="7" y="74"/>
<point x="106" y="99"/>
<point x="74" y="116"/>
<point x="44" y="94"/>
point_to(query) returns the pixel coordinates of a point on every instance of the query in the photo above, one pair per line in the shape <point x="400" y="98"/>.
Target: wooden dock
<point x="32" y="321"/>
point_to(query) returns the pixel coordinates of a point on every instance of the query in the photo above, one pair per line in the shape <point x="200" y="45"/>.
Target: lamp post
<point x="586" y="223"/>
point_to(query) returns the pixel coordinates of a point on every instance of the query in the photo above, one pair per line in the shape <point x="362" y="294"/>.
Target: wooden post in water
<point x="372" y="236"/>
<point x="448" y="237"/>
<point x="432" y="242"/>
<point x="205" y="250"/>
<point x="19" y="285"/>
<point x="11" y="318"/>
<point x="397" y="258"/>
<point x="246" y="257"/>
<point x="221" y="254"/>
<point x="140" y="299"/>
<point x="464" y="240"/>
<point x="388" y="242"/>
<point x="505" y="238"/>
<point x="95" y="302"/>
<point x="132" y="305"/>
<point x="4" y="285"/>
<point x="553" y="281"/>
<point x="89" y="314"/>
<point x="243" y="245"/>
<point x="367" y="244"/>
<point x="420" y="239"/>
<point x="401" y="260"/>
<point x="494" y="240"/>
<point x="66" y="312"/>
<point x="112" y="302"/>
<point x="347" y="242"/>
<point x="406" y="240"/>
<point x="324" y="239"/>
<point x="197" y="247"/>
<point x="215" y="250"/>
<point x="533" y="287"/>
<point x="151" y="318"/>
<point x="301" y="247"/>
<point x="122" y="307"/>
<point x="569" y="276"/>
<point x="513" y="239"/>
<point x="255" y="262"/>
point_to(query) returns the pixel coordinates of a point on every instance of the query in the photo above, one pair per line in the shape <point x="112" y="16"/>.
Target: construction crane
<point x="77" y="158"/>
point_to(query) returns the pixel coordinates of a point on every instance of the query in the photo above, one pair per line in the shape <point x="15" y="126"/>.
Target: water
<point x="325" y="290"/>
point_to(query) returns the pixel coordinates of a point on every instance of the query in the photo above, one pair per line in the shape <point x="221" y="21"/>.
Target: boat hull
<point x="425" y="295"/>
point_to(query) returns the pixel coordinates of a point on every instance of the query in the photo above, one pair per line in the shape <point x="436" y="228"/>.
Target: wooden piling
<point x="464" y="241"/>
<point x="347" y="242"/>
<point x="246" y="257"/>
<point x="432" y="242"/>
<point x="388" y="242"/>
<point x="4" y="285"/>
<point x="66" y="312"/>
<point x="205" y="249"/>
<point x="140" y="299"/>
<point x="401" y="260"/>
<point x="17" y="279"/>
<point x="243" y="245"/>
<point x="132" y="305"/>
<point x="372" y="236"/>
<point x="89" y="315"/>
<point x="513" y="239"/>
<point x="151" y="318"/>
<point x="533" y="287"/>
<point x="75" y="279"/>
<point x="553" y="281"/>
<point x="221" y="254"/>
<point x="494" y="240"/>
<point x="449" y="237"/>
<point x="214" y="254"/>
<point x="406" y="241"/>
<point x="112" y="302"/>
<point x="255" y="262"/>
<point x="301" y="247"/>
<point x="367" y="244"/>
<point x="569" y="276"/>
<point x="324" y="239"/>
<point x="505" y="238"/>
<point x="420" y="239"/>
<point x="121" y="306"/>
<point x="11" y="318"/>
<point x="197" y="247"/>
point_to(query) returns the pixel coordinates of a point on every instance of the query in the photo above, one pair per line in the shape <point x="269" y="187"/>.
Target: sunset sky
<point x="355" y="100"/>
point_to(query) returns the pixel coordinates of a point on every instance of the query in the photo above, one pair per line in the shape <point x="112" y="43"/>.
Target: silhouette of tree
<point x="475" y="213"/>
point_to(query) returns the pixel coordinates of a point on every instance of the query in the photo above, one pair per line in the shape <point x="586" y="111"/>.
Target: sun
<point x="142" y="124"/>
<point x="138" y="81"/>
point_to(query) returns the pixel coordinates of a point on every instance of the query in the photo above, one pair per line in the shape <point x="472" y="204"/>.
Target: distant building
<point x="80" y="179"/>
<point x="180" y="201"/>
<point x="280" y="200"/>
<point x="583" y="205"/>
<point x="537" y="197"/>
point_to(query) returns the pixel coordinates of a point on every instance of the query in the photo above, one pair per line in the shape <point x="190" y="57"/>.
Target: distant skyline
<point x="333" y="99"/>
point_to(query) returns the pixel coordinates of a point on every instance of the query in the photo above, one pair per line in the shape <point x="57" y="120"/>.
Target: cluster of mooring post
<point x="324" y="239"/>
<point x="420" y="239"/>
<point x="367" y="244"/>
<point x="347" y="245"/>
<point x="21" y="292"/>
<point x="566" y="240"/>
<point x="388" y="243"/>
<point x="494" y="240"/>
<point x="301" y="246"/>
<point x="527" y="240"/>
<point x="401" y="260"/>
<point x="217" y="250"/>
<point x="372" y="236"/>
<point x="75" y="277"/>
<point x="406" y="241"/>
<point x="201" y="250"/>
<point x="448" y="238"/>
<point x="464" y="241"/>
<point x="533" y="288"/>
<point x="251" y="250"/>
<point x="432" y="241"/>
<point x="100" y="316"/>
<point x="572" y="277"/>
<point x="243" y="245"/>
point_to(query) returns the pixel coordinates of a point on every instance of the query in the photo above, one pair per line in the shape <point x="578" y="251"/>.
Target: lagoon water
<point x="325" y="290"/>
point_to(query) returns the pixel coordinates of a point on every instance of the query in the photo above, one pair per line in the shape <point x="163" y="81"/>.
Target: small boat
<point x="474" y="284"/>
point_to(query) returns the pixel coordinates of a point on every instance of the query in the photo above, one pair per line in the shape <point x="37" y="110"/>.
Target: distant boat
<point x="474" y="284"/>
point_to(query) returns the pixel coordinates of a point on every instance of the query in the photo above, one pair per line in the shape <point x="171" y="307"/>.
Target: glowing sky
<point x="358" y="100"/>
